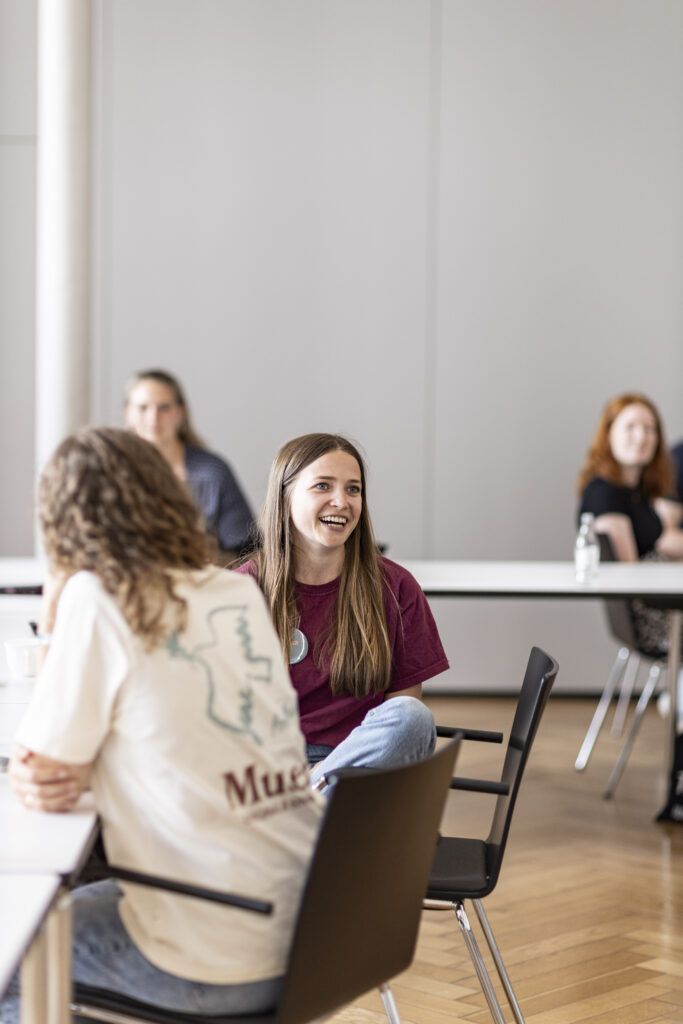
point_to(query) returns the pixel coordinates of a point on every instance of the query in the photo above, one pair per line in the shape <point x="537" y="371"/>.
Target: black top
<point x="677" y="456"/>
<point x="602" y="497"/>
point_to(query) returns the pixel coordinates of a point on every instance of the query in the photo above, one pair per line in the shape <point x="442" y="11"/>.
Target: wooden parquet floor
<point x="588" y="911"/>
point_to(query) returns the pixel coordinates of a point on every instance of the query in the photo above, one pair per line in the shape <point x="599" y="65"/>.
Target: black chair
<point x="468" y="869"/>
<point x="624" y="670"/>
<point x="361" y="908"/>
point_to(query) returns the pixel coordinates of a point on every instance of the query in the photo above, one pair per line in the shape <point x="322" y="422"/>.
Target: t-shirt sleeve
<point x="418" y="653"/>
<point x="71" y="710"/>
<point x="601" y="497"/>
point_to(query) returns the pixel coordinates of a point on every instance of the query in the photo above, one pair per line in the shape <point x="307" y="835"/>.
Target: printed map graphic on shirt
<point x="259" y="672"/>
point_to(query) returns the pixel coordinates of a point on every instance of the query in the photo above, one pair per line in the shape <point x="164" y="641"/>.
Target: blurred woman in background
<point x="156" y="409"/>
<point x="626" y="482"/>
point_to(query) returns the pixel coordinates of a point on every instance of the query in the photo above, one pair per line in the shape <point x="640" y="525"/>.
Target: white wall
<point x="450" y="229"/>
<point x="17" y="269"/>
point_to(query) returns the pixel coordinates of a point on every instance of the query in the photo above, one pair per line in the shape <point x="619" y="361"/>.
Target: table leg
<point x="672" y="669"/>
<point x="33" y="988"/>
<point x="58" y="929"/>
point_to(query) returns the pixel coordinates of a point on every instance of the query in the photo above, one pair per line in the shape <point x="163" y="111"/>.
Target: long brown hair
<point x="109" y="503"/>
<point x="356" y="647"/>
<point x="657" y="477"/>
<point x="186" y="431"/>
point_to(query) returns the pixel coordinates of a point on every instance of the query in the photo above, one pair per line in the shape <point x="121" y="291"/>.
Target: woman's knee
<point x="415" y="721"/>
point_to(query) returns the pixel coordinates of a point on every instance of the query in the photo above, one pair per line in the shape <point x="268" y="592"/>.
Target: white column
<point x="63" y="221"/>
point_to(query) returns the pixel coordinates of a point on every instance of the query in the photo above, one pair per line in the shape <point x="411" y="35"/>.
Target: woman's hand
<point x="43" y="784"/>
<point x="670" y="543"/>
<point x="620" y="531"/>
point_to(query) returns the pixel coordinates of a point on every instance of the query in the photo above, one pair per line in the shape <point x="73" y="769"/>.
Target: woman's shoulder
<point x="600" y="484"/>
<point x="86" y="585"/>
<point x="397" y="577"/>
<point x="202" y="459"/>
<point x="86" y="598"/>
<point x="247" y="568"/>
<point x="218" y="577"/>
<point x="602" y="496"/>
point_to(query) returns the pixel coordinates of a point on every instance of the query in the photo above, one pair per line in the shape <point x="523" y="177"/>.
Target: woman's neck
<point x="316" y="569"/>
<point x="631" y="475"/>
<point x="174" y="453"/>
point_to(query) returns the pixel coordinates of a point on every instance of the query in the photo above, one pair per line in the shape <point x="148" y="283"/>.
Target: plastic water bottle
<point x="587" y="550"/>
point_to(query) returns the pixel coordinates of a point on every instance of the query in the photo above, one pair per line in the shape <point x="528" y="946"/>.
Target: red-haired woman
<point x="627" y="479"/>
<point x="626" y="482"/>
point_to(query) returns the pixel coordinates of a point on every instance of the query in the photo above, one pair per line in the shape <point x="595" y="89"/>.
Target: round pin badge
<point x="299" y="648"/>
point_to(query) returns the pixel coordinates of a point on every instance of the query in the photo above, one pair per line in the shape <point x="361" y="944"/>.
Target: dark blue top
<point x="219" y="498"/>
<point x="677" y="456"/>
<point x="602" y="497"/>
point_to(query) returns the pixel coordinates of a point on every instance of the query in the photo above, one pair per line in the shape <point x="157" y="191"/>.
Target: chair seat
<point x="112" y="1001"/>
<point x="459" y="870"/>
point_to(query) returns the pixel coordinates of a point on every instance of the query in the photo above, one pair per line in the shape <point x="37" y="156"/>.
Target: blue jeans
<point x="397" y="731"/>
<point x="104" y="956"/>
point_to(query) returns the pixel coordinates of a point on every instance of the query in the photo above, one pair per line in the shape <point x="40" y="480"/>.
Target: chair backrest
<point x="538" y="680"/>
<point x="618" y="610"/>
<point x="361" y="906"/>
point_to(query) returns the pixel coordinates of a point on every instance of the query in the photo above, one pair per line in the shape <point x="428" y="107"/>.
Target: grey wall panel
<point x="17" y="359"/>
<point x="264" y="189"/>
<point x="17" y="69"/>
<point x="559" y="261"/>
<point x="17" y="268"/>
<point x="450" y="228"/>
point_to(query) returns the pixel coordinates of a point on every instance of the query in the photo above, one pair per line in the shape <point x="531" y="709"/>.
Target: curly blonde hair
<point x="109" y="503"/>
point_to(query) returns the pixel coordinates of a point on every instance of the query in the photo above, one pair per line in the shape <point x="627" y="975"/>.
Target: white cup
<point x="23" y="656"/>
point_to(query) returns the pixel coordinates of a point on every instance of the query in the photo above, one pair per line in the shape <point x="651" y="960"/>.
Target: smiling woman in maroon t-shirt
<point x="355" y="627"/>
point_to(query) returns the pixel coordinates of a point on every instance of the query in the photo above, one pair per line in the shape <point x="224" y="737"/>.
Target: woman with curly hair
<point x="355" y="627"/>
<point x="164" y="689"/>
<point x="626" y="482"/>
<point x="156" y="409"/>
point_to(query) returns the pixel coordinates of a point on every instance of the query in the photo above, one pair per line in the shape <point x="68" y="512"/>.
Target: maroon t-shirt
<point x="416" y="653"/>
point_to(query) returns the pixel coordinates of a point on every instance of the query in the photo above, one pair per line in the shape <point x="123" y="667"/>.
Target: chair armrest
<point x="482" y="735"/>
<point x="480" y="786"/>
<point x="98" y="871"/>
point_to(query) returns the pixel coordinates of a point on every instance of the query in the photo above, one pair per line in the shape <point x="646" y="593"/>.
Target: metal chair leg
<point x="389" y="1002"/>
<point x="625" y="694"/>
<point x="601" y="710"/>
<point x="479" y="966"/>
<point x="648" y="690"/>
<point x="103" y="1016"/>
<point x="498" y="961"/>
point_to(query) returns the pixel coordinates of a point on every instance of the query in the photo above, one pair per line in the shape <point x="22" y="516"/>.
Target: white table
<point x="35" y="844"/>
<point x="547" y="579"/>
<point x="39" y="852"/>
<point x="658" y="582"/>
<point x="21" y="575"/>
<point x="20" y="579"/>
<point x="30" y="930"/>
<point x="14" y="696"/>
<point x="16" y="612"/>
